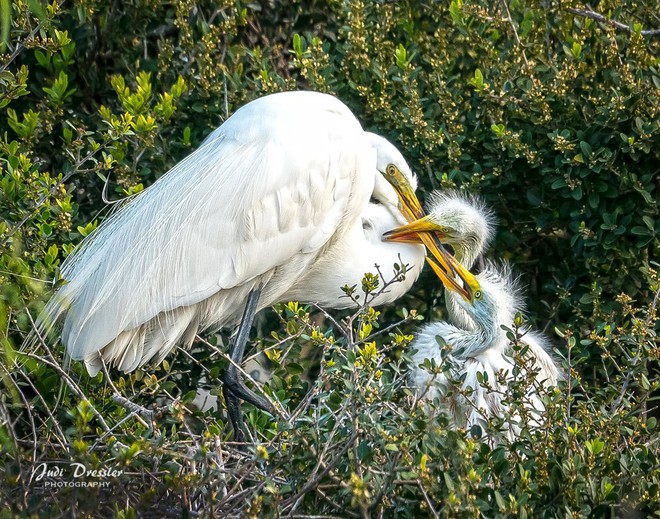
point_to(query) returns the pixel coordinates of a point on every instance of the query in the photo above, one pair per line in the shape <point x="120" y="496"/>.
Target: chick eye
<point x="478" y="294"/>
<point x="445" y="230"/>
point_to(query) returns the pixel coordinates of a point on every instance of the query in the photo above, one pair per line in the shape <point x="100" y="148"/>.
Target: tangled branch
<point x="588" y="13"/>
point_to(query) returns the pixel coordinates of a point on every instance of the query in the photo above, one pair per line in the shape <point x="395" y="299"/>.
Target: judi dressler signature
<point x="73" y="474"/>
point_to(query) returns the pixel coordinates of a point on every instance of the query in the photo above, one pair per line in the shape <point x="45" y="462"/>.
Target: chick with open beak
<point x="422" y="229"/>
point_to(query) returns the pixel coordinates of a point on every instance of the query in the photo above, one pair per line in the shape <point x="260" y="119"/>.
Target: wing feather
<point x="275" y="181"/>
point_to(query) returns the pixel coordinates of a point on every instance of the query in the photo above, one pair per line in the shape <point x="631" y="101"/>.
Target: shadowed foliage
<point x="549" y="110"/>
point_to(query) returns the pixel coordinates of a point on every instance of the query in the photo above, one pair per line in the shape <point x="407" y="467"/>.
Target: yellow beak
<point x="469" y="289"/>
<point x="408" y="202"/>
<point x="421" y="229"/>
<point x="412" y="232"/>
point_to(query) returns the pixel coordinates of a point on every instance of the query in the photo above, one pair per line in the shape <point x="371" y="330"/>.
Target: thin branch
<point x="21" y="45"/>
<point x="387" y="329"/>
<point x="62" y="437"/>
<point x="427" y="499"/>
<point x="327" y="499"/>
<point x="310" y="485"/>
<point x="515" y="32"/>
<point x="334" y="322"/>
<point x="635" y="361"/>
<point x="134" y="408"/>
<point x="6" y="421"/>
<point x="588" y="13"/>
<point x="71" y="384"/>
<point x="50" y="361"/>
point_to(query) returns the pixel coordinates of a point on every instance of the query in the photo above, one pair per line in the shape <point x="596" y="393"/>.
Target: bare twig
<point x="327" y="499"/>
<point x="71" y="385"/>
<point x="50" y="361"/>
<point x="427" y="499"/>
<point x="387" y="329"/>
<point x="588" y="13"/>
<point x="334" y="322"/>
<point x="386" y="486"/>
<point x="135" y="409"/>
<point x="19" y="48"/>
<point x="6" y="421"/>
<point x="515" y="32"/>
<point x="62" y="437"/>
<point x="638" y="354"/>
<point x="311" y="484"/>
<point x="110" y="432"/>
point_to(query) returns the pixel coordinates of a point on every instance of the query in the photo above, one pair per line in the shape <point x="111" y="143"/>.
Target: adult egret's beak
<point x="420" y="229"/>
<point x="408" y="202"/>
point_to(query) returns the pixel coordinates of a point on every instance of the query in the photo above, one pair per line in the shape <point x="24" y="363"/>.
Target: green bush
<point x="550" y="113"/>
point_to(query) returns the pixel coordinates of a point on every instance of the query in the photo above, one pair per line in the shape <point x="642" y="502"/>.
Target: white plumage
<point x="278" y="196"/>
<point x="468" y="226"/>
<point x="483" y="348"/>
<point x="473" y="334"/>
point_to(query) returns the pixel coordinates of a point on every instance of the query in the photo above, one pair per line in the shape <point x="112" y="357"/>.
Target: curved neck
<point x="466" y="255"/>
<point x="457" y="316"/>
<point x="482" y="335"/>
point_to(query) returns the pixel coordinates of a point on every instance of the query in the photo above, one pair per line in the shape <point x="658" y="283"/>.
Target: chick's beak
<point x="420" y="229"/>
<point x="462" y="281"/>
<point x="412" y="232"/>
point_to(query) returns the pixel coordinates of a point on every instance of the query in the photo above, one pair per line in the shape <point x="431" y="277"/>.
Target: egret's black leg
<point x="235" y="414"/>
<point x="234" y="388"/>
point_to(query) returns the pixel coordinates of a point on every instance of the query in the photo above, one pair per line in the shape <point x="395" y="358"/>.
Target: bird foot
<point x="235" y="390"/>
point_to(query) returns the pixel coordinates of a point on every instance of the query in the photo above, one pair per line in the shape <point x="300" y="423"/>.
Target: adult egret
<point x="284" y="201"/>
<point x="475" y="339"/>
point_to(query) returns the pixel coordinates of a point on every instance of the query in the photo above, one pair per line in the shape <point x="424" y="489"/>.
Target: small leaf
<point x="576" y="50"/>
<point x="586" y="149"/>
<point x="639" y="230"/>
<point x="297" y="45"/>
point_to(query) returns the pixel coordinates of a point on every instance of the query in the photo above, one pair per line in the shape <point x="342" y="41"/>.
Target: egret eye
<point x="391" y="169"/>
<point x="478" y="294"/>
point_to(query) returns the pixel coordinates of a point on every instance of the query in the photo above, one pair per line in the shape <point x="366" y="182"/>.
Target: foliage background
<point x="550" y="115"/>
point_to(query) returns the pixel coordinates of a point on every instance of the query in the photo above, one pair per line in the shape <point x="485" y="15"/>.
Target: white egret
<point x="466" y="224"/>
<point x="284" y="201"/>
<point x="474" y="337"/>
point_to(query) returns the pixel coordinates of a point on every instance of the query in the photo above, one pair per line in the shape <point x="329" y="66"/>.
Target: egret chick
<point x="473" y="334"/>
<point x="461" y="221"/>
<point x="493" y="302"/>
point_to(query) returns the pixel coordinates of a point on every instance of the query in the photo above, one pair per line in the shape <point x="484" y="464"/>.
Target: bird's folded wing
<point x="230" y="212"/>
